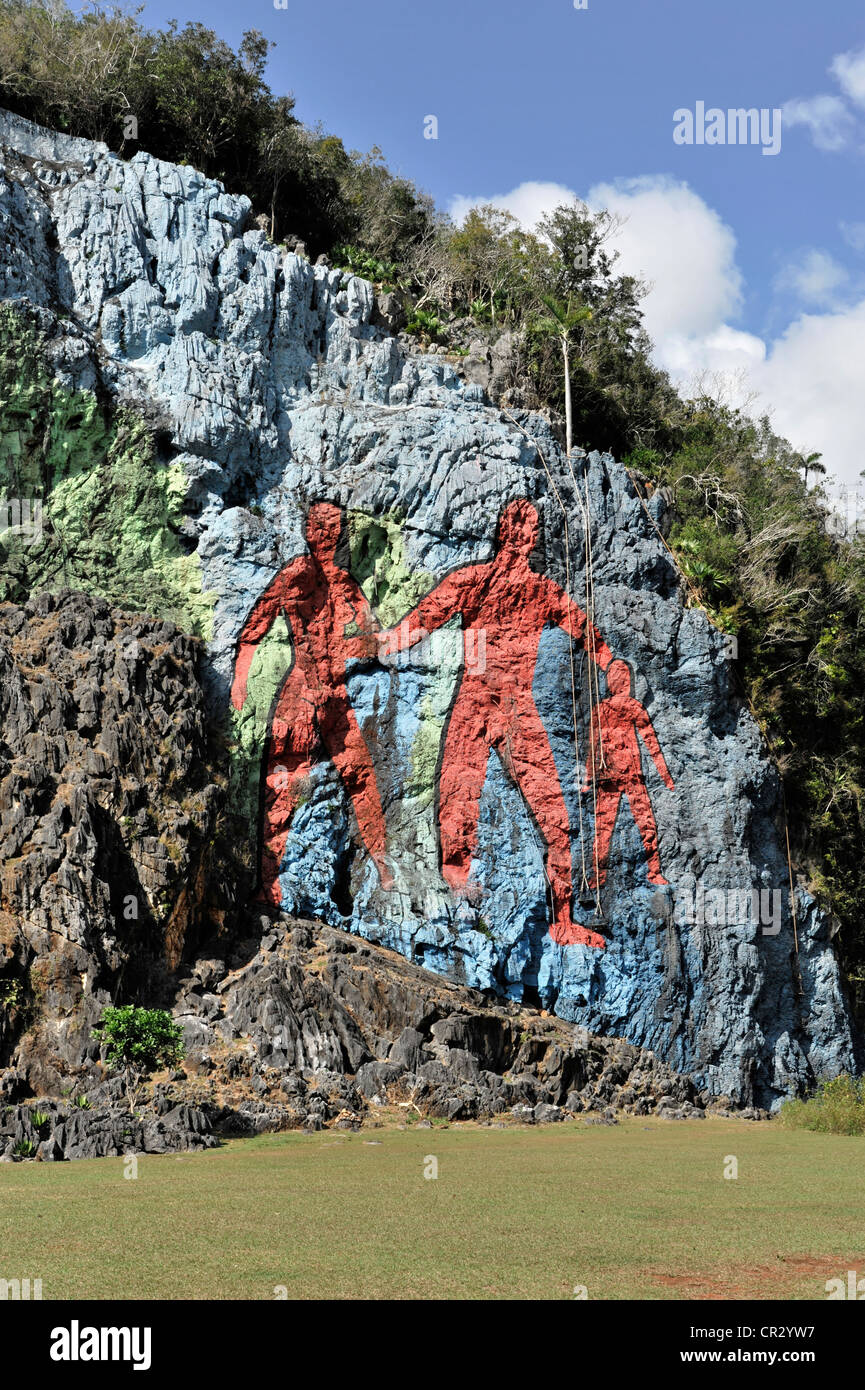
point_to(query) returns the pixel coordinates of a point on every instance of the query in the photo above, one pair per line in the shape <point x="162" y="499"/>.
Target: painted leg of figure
<point x="529" y="760"/>
<point x="605" y="823"/>
<point x="346" y="746"/>
<point x="461" y="781"/>
<point x="289" y="761"/>
<point x="644" y="817"/>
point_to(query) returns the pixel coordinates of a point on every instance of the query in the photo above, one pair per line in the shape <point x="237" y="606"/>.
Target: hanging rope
<point x="800" y="989"/>
<point x="596" y="747"/>
<point x="596" y="750"/>
<point x="549" y="895"/>
<point x="584" y="882"/>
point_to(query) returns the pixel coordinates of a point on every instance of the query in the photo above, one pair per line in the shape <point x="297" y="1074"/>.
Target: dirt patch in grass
<point x="785" y="1276"/>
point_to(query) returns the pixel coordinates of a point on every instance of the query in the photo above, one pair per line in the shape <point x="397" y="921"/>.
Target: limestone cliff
<point x="187" y="392"/>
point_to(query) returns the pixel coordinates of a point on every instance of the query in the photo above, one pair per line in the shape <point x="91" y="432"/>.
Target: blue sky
<point x="757" y="263"/>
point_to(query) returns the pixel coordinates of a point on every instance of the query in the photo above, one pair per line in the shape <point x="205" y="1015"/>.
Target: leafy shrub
<point x="141" y="1039"/>
<point x="426" y="325"/>
<point x="386" y="274"/>
<point x="10" y="995"/>
<point x="138" y="1041"/>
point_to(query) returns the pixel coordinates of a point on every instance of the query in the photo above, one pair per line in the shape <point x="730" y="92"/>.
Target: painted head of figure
<point x="619" y="678"/>
<point x="323" y="529"/>
<point x="518" y="527"/>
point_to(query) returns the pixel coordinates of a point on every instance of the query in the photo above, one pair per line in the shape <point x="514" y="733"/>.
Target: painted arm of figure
<point x="439" y="606"/>
<point x="650" y="738"/>
<point x="569" y="616"/>
<point x="257" y="625"/>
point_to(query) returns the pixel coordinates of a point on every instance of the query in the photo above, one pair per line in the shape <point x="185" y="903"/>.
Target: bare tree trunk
<point x="569" y="422"/>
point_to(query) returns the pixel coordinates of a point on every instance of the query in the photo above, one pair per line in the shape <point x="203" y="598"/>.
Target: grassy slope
<point x="636" y="1211"/>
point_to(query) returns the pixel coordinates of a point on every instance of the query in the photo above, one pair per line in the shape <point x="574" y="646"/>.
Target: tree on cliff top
<point x="195" y="101"/>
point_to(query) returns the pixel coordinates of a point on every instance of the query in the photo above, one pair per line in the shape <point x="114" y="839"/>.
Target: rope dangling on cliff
<point x="799" y="986"/>
<point x="595" y="736"/>
<point x="574" y="714"/>
<point x="596" y="753"/>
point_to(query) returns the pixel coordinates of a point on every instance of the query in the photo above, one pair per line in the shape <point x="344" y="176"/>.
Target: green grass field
<point x="640" y="1210"/>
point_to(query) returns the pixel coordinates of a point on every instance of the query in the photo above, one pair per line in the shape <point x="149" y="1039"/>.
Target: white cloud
<point x="854" y="234"/>
<point x="849" y="69"/>
<point x="808" y="379"/>
<point x="813" y="380"/>
<point x="815" y="277"/>
<point x="828" y="119"/>
<point x="528" y="202"/>
<point x="676" y="242"/>
<point x="727" y="355"/>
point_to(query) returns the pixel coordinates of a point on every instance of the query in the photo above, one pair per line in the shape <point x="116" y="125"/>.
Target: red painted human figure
<point x="615" y="768"/>
<point x="330" y="621"/>
<point x="504" y="606"/>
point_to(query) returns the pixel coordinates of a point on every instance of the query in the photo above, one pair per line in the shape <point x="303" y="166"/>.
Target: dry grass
<point x="641" y="1210"/>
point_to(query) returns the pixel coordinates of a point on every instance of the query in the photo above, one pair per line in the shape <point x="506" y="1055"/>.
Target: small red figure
<point x="615" y="768"/>
<point x="330" y="621"/>
<point x="504" y="605"/>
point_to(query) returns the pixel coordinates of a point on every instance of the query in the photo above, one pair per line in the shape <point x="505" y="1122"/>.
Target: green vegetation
<point x="561" y="322"/>
<point x="758" y="550"/>
<point x="144" y="1039"/>
<point x="138" y="1041"/>
<point x="837" y="1107"/>
<point x="640" y="1210"/>
<point x="10" y="995"/>
<point x="384" y="274"/>
<point x="197" y="102"/>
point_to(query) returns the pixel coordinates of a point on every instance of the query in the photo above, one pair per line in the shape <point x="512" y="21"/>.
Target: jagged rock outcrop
<point x="55" y="1131"/>
<point x="306" y="1027"/>
<point x="326" y="1028"/>
<point x="107" y="809"/>
<point x="271" y="387"/>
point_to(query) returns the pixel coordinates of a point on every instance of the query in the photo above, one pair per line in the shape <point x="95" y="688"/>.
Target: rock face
<point x="424" y="793"/>
<point x="52" y="1131"/>
<point x="306" y="1026"/>
<point x="106" y="811"/>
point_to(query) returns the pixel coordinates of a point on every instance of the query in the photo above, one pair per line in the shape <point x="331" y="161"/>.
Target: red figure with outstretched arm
<point x="615" y="767"/>
<point x="504" y="606"/>
<point x="330" y="621"/>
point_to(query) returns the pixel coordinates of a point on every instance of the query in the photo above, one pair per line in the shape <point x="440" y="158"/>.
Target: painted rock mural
<point x="468" y="712"/>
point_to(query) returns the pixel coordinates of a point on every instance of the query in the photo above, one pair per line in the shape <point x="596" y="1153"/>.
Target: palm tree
<point x="811" y="464"/>
<point x="564" y="317"/>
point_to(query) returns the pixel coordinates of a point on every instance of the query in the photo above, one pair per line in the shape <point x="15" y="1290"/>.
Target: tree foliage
<point x="141" y="1039"/>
